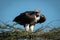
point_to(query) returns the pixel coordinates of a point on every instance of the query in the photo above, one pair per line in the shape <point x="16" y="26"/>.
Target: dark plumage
<point x="28" y="17"/>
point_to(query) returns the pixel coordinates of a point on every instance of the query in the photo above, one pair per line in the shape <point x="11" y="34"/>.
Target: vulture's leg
<point x="31" y="28"/>
<point x="27" y="27"/>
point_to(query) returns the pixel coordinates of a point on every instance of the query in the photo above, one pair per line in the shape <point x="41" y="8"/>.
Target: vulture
<point x="29" y="18"/>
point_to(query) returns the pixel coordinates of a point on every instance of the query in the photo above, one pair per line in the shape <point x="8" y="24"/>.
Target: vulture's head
<point x="37" y="13"/>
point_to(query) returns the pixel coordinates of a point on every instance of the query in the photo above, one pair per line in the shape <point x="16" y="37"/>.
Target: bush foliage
<point x="45" y="32"/>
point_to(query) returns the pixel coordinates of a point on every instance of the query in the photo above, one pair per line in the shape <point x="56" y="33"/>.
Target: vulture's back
<point x="24" y="18"/>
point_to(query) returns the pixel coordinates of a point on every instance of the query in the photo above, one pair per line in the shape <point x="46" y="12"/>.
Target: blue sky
<point x="9" y="9"/>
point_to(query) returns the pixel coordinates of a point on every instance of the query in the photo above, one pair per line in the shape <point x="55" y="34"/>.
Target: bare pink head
<point x="38" y="11"/>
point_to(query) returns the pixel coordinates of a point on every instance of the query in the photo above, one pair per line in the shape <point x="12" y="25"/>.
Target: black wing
<point x="25" y="18"/>
<point x="42" y="19"/>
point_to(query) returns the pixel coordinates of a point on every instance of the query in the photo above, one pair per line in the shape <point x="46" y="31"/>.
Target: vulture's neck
<point x="37" y="18"/>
